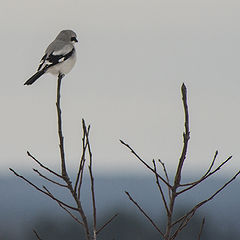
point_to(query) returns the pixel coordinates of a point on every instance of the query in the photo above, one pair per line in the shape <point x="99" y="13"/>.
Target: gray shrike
<point x="59" y="58"/>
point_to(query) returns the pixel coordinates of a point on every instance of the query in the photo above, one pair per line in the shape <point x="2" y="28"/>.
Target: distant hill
<point x="22" y="207"/>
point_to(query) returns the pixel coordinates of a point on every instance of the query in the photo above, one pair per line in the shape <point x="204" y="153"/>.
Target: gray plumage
<point x="59" y="57"/>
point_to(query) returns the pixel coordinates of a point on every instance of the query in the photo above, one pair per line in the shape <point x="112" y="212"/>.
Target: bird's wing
<point x="57" y="52"/>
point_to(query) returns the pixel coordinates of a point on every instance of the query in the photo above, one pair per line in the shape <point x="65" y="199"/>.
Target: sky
<point x="133" y="57"/>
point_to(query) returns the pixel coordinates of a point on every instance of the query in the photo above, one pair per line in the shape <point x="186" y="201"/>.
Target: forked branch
<point x="173" y="228"/>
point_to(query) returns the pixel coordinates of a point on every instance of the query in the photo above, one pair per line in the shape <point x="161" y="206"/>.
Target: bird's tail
<point x="35" y="77"/>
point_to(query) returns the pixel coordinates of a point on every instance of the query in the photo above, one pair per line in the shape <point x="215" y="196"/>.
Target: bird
<point x="59" y="57"/>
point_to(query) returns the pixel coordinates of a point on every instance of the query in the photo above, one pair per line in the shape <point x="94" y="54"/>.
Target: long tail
<point x="35" y="77"/>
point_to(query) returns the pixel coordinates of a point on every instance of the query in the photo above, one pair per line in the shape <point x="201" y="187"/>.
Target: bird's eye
<point x="73" y="39"/>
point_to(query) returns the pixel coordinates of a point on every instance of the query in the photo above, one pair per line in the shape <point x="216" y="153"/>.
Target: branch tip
<point x="184" y="89"/>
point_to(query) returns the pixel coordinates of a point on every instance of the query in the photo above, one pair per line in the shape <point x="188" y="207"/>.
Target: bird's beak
<point x="73" y="39"/>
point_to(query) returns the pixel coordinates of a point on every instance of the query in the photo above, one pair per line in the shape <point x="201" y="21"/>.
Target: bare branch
<point x="60" y="134"/>
<point x="35" y="232"/>
<point x="166" y="175"/>
<point x="184" y="220"/>
<point x="40" y="190"/>
<point x="141" y="160"/>
<point x="201" y="229"/>
<point x="144" y="213"/>
<point x="186" y="137"/>
<point x="92" y="190"/>
<point x="160" y="189"/>
<point x="105" y="224"/>
<point x="50" y="180"/>
<point x="82" y="161"/>
<point x="177" y="179"/>
<point x="65" y="209"/>
<point x="205" y="177"/>
<point x="63" y="164"/>
<point x="41" y="165"/>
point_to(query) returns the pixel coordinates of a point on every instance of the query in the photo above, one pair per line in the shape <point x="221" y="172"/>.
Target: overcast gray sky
<point x="132" y="59"/>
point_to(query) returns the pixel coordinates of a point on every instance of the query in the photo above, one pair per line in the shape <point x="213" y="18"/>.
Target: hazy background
<point x="133" y="57"/>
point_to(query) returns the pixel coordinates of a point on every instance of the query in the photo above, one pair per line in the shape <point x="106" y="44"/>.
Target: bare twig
<point x="82" y="161"/>
<point x="35" y="232"/>
<point x="141" y="160"/>
<point x="39" y="189"/>
<point x="105" y="224"/>
<point x="48" y="179"/>
<point x="205" y="177"/>
<point x="144" y="213"/>
<point x="41" y="165"/>
<point x="92" y="189"/>
<point x="201" y="229"/>
<point x="65" y="209"/>
<point x="186" y="218"/>
<point x="160" y="189"/>
<point x="166" y="175"/>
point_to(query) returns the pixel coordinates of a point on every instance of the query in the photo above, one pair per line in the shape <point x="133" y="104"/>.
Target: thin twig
<point x="211" y="173"/>
<point x="141" y="160"/>
<point x="39" y="189"/>
<point x="166" y="175"/>
<point x="105" y="224"/>
<point x="41" y="165"/>
<point x="82" y="161"/>
<point x="201" y="229"/>
<point x="35" y="232"/>
<point x="144" y="213"/>
<point x="184" y="220"/>
<point x="48" y="179"/>
<point x="65" y="209"/>
<point x="160" y="189"/>
<point x="92" y="188"/>
<point x="203" y="177"/>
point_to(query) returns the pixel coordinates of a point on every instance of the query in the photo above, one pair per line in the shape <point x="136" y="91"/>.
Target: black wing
<point x="55" y="59"/>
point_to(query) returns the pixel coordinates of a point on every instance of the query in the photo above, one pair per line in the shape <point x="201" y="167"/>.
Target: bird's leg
<point x="60" y="75"/>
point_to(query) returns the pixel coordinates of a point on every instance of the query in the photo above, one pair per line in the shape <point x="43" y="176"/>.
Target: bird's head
<point x="67" y="36"/>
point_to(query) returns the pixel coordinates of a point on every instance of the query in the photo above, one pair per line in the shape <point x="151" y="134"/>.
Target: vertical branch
<point x="78" y="182"/>
<point x="63" y="164"/>
<point x="174" y="228"/>
<point x="186" y="137"/>
<point x="92" y="188"/>
<point x="201" y="228"/>
<point x="160" y="188"/>
<point x="60" y="135"/>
